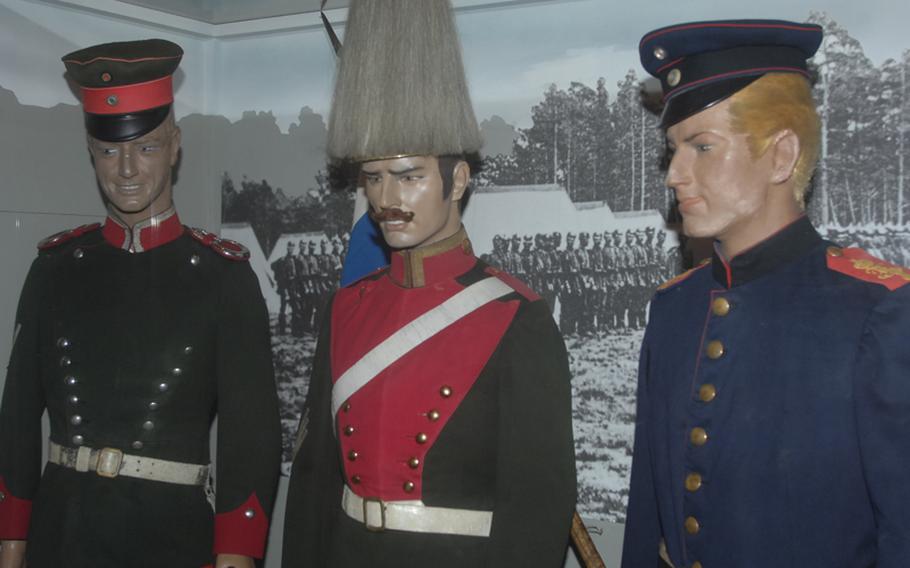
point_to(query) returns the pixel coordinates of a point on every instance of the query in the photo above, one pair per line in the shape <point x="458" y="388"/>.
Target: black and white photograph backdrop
<point x="571" y="198"/>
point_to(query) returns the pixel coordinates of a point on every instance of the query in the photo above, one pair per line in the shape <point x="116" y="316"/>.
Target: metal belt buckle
<point x="366" y="517"/>
<point x="109" y="461"/>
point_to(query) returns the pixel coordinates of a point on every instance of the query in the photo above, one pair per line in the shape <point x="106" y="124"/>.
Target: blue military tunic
<point x="773" y="423"/>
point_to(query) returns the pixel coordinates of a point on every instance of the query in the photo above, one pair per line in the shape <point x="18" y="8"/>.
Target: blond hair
<point x="401" y="87"/>
<point x="776" y="102"/>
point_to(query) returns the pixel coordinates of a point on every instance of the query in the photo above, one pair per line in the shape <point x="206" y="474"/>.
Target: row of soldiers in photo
<point x="304" y="278"/>
<point x="603" y="281"/>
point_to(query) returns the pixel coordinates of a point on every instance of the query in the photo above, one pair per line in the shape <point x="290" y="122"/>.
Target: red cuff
<point x="242" y="531"/>
<point x="15" y="514"/>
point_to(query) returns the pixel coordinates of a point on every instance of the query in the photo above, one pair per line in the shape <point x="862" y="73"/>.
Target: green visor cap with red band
<point x="126" y="87"/>
<point x="702" y="63"/>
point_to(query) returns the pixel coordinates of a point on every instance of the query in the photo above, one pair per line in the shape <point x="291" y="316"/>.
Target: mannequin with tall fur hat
<point x="437" y="429"/>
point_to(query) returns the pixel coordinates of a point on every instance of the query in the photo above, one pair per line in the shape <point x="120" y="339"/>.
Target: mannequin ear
<point x="785" y="154"/>
<point x="176" y="137"/>
<point x="461" y="177"/>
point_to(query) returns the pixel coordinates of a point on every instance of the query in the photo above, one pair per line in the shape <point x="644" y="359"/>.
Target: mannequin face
<point x="722" y="190"/>
<point x="406" y="194"/>
<point x="135" y="176"/>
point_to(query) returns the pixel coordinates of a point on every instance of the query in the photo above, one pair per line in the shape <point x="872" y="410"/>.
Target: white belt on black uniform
<point x="414" y="516"/>
<point x="112" y="462"/>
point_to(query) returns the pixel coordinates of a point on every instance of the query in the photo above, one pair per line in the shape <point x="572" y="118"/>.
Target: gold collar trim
<point x="412" y="260"/>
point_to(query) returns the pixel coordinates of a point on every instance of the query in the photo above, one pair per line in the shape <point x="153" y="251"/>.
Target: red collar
<point x="450" y="257"/>
<point x="146" y="234"/>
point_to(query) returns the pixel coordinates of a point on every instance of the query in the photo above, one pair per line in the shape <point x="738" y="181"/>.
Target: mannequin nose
<point x="127" y="164"/>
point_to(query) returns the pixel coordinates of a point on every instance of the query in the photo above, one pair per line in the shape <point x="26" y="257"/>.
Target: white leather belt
<point x="414" y="516"/>
<point x="111" y="462"/>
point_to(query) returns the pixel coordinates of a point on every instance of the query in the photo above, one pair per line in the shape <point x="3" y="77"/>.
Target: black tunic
<point x="145" y="349"/>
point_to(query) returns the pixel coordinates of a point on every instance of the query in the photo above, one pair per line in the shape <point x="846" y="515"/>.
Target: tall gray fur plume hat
<point x="400" y="88"/>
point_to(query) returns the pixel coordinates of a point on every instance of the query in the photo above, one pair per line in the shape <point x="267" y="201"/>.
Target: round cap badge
<point x="674" y="77"/>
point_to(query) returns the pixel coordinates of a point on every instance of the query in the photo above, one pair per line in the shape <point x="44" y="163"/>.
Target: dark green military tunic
<point x="139" y="351"/>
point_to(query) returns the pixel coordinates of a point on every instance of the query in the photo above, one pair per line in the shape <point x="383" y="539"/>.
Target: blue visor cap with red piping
<point x="702" y="63"/>
<point x="126" y="87"/>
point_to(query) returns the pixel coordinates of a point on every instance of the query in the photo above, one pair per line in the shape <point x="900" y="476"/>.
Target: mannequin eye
<point x="703" y="147"/>
<point x="148" y="148"/>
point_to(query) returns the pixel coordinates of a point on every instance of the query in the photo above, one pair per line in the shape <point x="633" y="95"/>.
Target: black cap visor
<point x="125" y="127"/>
<point x="685" y="104"/>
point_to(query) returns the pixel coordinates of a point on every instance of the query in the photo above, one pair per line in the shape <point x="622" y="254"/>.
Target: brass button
<point x="78" y="253"/>
<point x="433" y="415"/>
<point x="188" y="350"/>
<point x="249" y="513"/>
<point x="698" y="436"/>
<point x="353" y="455"/>
<point x="421" y="438"/>
<point x="65" y="361"/>
<point x="693" y="481"/>
<point x="674" y="77"/>
<point x="835" y="251"/>
<point x="720" y="306"/>
<point x="355" y="479"/>
<point x="162" y="387"/>
<point x="176" y="371"/>
<point x="137" y="445"/>
<point x="660" y="53"/>
<point x="696" y="564"/>
<point x="348" y="430"/>
<point x="692" y="526"/>
<point x="445" y="391"/>
<point x="63" y="343"/>
<point x="71" y="380"/>
<point x="414" y="463"/>
<point x="194" y="260"/>
<point x="408" y="486"/>
<point x="707" y="392"/>
<point x="715" y="349"/>
<point x="148" y="425"/>
<point x="153" y="405"/>
<point x="75" y="420"/>
<point x="346" y="407"/>
<point x="78" y="440"/>
<point x="2" y="496"/>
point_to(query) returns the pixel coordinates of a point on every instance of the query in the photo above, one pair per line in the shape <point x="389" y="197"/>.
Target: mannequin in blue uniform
<point x="774" y="383"/>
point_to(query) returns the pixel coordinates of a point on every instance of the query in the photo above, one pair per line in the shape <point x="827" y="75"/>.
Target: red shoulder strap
<point x="58" y="239"/>
<point x="227" y="248"/>
<point x="680" y="277"/>
<point x="513" y="283"/>
<point x="861" y="265"/>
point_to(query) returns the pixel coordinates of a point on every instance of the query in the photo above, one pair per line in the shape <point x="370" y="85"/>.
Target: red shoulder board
<point x="513" y="283"/>
<point x="859" y="264"/>
<point x="225" y="247"/>
<point x="680" y="277"/>
<point x="58" y="239"/>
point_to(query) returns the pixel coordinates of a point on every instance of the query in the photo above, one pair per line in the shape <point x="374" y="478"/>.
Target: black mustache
<point x="391" y="214"/>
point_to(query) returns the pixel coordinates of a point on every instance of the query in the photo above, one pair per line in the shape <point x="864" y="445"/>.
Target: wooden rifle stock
<point x="584" y="546"/>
